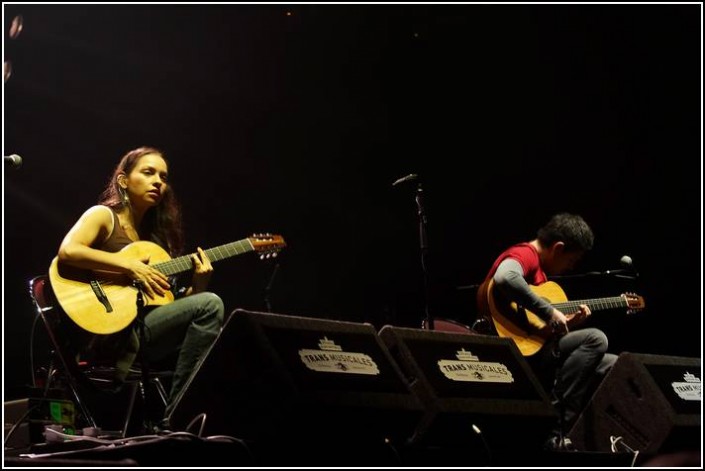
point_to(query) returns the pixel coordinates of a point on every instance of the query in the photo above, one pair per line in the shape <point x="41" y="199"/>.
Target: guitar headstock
<point x="267" y="245"/>
<point x="635" y="303"/>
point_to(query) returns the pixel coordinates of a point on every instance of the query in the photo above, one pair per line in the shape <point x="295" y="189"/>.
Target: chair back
<point x="69" y="341"/>
<point x="49" y="310"/>
<point x="447" y="325"/>
<point x="37" y="292"/>
<point x="62" y="333"/>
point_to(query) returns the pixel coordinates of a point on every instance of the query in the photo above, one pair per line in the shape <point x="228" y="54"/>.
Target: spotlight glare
<point x="6" y="70"/>
<point x="16" y="26"/>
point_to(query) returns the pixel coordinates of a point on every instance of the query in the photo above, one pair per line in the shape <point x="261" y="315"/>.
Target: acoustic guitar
<point x="529" y="331"/>
<point x="104" y="302"/>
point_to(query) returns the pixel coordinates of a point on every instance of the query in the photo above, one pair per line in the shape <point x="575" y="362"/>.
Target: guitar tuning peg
<point x="274" y="254"/>
<point x="261" y="257"/>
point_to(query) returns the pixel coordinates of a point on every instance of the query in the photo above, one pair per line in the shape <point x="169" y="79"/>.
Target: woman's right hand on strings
<point x="153" y="282"/>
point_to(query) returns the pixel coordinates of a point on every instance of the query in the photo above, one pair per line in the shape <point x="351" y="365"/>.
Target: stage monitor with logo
<point x="299" y="378"/>
<point x="471" y="384"/>
<point x="647" y="403"/>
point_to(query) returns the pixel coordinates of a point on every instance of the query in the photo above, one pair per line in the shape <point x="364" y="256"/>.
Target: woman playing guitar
<point x="138" y="207"/>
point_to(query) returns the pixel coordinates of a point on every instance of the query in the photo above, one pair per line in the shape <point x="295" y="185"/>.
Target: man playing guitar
<point x="576" y="356"/>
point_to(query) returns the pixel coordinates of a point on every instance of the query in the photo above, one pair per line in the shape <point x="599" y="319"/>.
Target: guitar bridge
<point x="100" y="294"/>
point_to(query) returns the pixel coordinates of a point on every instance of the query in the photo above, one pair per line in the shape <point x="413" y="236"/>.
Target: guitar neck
<point x="594" y="304"/>
<point x="185" y="263"/>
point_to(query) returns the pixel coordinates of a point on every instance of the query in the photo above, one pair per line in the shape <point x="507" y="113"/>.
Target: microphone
<point x="13" y="161"/>
<point x="628" y="264"/>
<point x="410" y="177"/>
<point x="627" y="267"/>
<point x="627" y="271"/>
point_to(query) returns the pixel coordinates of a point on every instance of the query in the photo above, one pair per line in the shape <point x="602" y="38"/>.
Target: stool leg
<point x="161" y="390"/>
<point x="130" y="408"/>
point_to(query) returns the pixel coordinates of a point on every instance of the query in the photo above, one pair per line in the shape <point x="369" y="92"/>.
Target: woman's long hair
<point x="162" y="223"/>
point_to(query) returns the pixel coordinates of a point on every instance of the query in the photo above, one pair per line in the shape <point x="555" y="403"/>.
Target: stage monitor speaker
<point x="646" y="403"/>
<point x="274" y="376"/>
<point x="472" y="383"/>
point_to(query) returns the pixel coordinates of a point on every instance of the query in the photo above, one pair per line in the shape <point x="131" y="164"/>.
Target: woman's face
<point x="147" y="182"/>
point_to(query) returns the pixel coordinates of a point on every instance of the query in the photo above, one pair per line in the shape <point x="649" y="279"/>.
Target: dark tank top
<point x="118" y="239"/>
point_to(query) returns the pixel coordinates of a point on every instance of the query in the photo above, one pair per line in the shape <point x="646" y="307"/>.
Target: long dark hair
<point x="162" y="223"/>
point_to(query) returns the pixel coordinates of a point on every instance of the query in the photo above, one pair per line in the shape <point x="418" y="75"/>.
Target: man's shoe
<point x="161" y="427"/>
<point x="558" y="443"/>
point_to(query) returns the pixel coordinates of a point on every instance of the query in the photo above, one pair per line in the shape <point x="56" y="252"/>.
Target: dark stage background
<point x="296" y="120"/>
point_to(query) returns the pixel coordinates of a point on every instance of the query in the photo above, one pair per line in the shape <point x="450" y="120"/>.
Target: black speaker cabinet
<point x="472" y="383"/>
<point x="649" y="403"/>
<point x="282" y="377"/>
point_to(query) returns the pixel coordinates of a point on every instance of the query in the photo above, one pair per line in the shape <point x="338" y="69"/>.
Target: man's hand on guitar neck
<point x="580" y="316"/>
<point x="559" y="322"/>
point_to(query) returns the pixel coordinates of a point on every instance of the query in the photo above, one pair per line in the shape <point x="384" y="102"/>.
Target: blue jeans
<point x="188" y="326"/>
<point x="580" y="361"/>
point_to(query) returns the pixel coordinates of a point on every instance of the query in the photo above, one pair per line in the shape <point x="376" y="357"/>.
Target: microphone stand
<point x="615" y="273"/>
<point x="268" y="288"/>
<point x="423" y="244"/>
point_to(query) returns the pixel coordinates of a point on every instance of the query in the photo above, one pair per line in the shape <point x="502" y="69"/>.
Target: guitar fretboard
<point x="593" y="304"/>
<point x="185" y="263"/>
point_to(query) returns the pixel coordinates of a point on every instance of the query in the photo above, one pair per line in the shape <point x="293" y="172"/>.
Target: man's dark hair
<point x="570" y="229"/>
